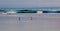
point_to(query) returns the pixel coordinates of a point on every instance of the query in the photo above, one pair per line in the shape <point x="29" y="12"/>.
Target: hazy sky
<point x="29" y="3"/>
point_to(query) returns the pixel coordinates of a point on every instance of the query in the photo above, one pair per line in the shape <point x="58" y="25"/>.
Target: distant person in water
<point x="31" y="18"/>
<point x="19" y="18"/>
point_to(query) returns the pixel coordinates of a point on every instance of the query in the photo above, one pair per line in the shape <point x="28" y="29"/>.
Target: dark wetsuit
<point x="19" y="18"/>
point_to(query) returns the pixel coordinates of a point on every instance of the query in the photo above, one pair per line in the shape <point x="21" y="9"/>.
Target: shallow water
<point x="39" y="22"/>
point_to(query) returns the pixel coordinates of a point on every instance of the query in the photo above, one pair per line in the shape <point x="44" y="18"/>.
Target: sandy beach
<point x="39" y="22"/>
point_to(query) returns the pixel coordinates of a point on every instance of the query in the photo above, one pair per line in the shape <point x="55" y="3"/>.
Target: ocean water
<point x="33" y="9"/>
<point x="54" y="9"/>
<point x="39" y="22"/>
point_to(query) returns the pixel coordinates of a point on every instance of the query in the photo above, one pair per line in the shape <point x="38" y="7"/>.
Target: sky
<point x="29" y="3"/>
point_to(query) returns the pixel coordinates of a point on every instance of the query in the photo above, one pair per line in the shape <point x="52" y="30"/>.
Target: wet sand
<point x="39" y="22"/>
